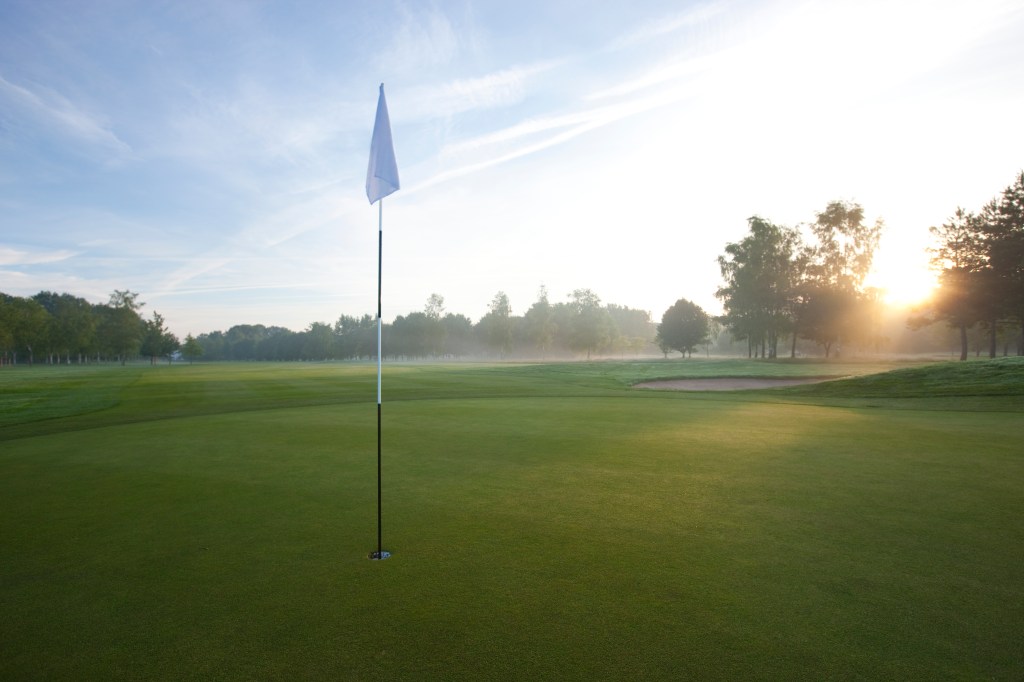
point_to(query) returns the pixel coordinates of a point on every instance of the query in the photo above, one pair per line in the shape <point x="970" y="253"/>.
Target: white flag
<point x="382" y="174"/>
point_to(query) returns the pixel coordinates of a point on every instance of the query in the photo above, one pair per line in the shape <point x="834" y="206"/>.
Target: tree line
<point x="980" y="259"/>
<point x="581" y="326"/>
<point x="803" y="282"/>
<point x="807" y="282"/>
<point x="62" y="328"/>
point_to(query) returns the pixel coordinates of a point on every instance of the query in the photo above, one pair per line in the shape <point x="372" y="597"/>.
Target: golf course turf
<point x="546" y="521"/>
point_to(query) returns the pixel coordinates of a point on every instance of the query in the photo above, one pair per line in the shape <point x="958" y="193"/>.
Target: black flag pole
<point x="381" y="180"/>
<point x="380" y="553"/>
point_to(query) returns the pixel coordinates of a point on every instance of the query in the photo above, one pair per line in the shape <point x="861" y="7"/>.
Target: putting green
<point x="571" y="529"/>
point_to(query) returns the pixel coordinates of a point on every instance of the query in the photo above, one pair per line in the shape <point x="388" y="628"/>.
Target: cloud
<point x="234" y="288"/>
<point x="541" y="133"/>
<point x="423" y="39"/>
<point x="498" y="89"/>
<point x="671" y="71"/>
<point x="635" y="95"/>
<point x="666" y="25"/>
<point x="57" y="112"/>
<point x="9" y="256"/>
<point x="192" y="269"/>
<point x="26" y="284"/>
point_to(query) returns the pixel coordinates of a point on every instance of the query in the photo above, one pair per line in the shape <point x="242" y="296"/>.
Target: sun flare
<point x="903" y="284"/>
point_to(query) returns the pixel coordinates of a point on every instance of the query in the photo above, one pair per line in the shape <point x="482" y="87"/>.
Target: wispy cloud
<point x="424" y="38"/>
<point x="191" y="270"/>
<point x="9" y="256"/>
<point x="498" y="89"/>
<point x="537" y="135"/>
<point x="235" y="288"/>
<point x="591" y="111"/>
<point x="663" y="26"/>
<point x="60" y="114"/>
<point x="296" y="217"/>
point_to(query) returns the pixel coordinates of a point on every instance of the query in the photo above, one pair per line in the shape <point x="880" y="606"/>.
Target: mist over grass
<point x="69" y="397"/>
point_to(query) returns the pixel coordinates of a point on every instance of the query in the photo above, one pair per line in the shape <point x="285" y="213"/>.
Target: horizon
<point x="891" y="309"/>
<point x="212" y="158"/>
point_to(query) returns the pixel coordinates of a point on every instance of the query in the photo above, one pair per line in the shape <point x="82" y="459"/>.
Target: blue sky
<point x="212" y="155"/>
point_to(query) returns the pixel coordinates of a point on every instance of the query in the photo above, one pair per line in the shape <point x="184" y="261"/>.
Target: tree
<point x="435" y="307"/>
<point x="435" y="330"/>
<point x="959" y="255"/>
<point x="409" y="335"/>
<point x="684" y="326"/>
<point x="157" y="341"/>
<point x="634" y="327"/>
<point x="496" y="326"/>
<point x="25" y="323"/>
<point x="539" y="323"/>
<point x="714" y="331"/>
<point x="121" y="327"/>
<point x="458" y="335"/>
<point x="214" y="345"/>
<point x="318" y="342"/>
<point x="6" y="328"/>
<point x="980" y="258"/>
<point x="280" y="343"/>
<point x="827" y="314"/>
<point x="191" y="349"/>
<point x="1004" y="240"/>
<point x="846" y="246"/>
<point x="242" y="341"/>
<point x="761" y="274"/>
<point x="357" y="336"/>
<point x="73" y="325"/>
<point x="838" y="265"/>
<point x="590" y="326"/>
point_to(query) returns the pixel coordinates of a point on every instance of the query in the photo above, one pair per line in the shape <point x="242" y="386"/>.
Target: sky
<point x="212" y="156"/>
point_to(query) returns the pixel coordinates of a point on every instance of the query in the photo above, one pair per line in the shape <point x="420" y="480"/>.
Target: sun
<point x="903" y="283"/>
<point x="901" y="269"/>
<point x="907" y="292"/>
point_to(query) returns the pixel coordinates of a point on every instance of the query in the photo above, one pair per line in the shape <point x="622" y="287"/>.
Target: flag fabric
<point x="382" y="173"/>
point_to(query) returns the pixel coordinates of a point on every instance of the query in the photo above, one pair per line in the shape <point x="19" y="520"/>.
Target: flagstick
<point x="380" y="553"/>
<point x="381" y="180"/>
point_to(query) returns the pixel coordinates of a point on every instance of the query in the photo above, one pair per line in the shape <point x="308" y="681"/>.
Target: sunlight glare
<point x="903" y="283"/>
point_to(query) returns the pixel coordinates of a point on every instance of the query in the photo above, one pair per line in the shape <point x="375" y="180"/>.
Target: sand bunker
<point x="726" y="384"/>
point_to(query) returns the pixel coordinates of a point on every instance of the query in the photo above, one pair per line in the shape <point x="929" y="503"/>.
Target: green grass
<point x="547" y="522"/>
<point x="1001" y="377"/>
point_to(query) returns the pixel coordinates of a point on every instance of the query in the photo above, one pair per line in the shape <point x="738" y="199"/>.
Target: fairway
<point x="546" y="522"/>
